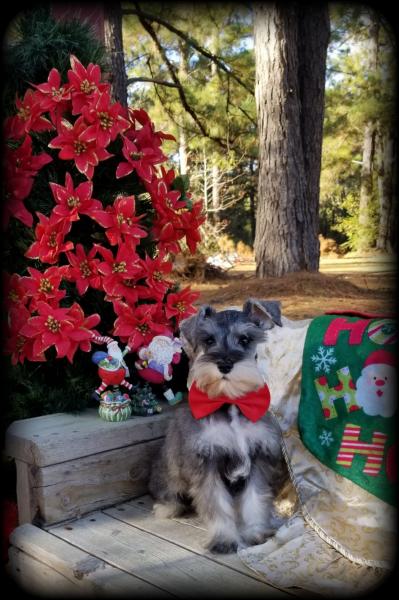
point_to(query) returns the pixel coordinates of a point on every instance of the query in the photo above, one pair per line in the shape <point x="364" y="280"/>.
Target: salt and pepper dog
<point x="222" y="453"/>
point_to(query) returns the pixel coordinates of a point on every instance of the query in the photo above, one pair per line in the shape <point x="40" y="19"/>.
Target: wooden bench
<point x="86" y="523"/>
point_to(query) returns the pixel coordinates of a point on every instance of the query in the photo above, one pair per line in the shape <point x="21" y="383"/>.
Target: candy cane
<point x="102" y="339"/>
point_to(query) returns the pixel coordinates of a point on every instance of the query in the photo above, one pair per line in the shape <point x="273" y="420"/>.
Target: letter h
<point x="351" y="445"/>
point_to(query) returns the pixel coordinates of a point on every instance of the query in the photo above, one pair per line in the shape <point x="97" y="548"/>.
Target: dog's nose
<point x="225" y="366"/>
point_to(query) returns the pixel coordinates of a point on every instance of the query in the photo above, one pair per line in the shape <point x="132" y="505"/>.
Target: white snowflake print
<point x="324" y="359"/>
<point x="326" y="438"/>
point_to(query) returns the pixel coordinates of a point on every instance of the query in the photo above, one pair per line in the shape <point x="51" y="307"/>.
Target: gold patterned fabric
<point x="342" y="538"/>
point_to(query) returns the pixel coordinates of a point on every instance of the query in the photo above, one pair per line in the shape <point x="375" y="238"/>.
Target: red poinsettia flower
<point x="64" y="328"/>
<point x="15" y="207"/>
<point x="137" y="326"/>
<point x="84" y="83"/>
<point x="167" y="227"/>
<point x="50" y="241"/>
<point x="83" y="333"/>
<point x="139" y="159"/>
<point x="73" y="201"/>
<point x="174" y="220"/>
<point x="78" y="144"/>
<point x="121" y="222"/>
<point x="120" y="274"/>
<point x="191" y="221"/>
<point x="12" y="129"/>
<point x="20" y="160"/>
<point x="142" y="117"/>
<point x="18" y="346"/>
<point x="167" y="202"/>
<point x="54" y="97"/>
<point x="84" y="269"/>
<point x="179" y="304"/>
<point x="104" y="118"/>
<point x="14" y="291"/>
<point x="167" y="176"/>
<point x="51" y="327"/>
<point x="20" y="167"/>
<point x="155" y="273"/>
<point x="29" y="115"/>
<point x="44" y="285"/>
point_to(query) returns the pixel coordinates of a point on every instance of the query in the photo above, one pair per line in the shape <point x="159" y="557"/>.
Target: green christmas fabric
<point x="348" y="399"/>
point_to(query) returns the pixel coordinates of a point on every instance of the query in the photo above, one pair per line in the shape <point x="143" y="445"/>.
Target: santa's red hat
<point x="380" y="357"/>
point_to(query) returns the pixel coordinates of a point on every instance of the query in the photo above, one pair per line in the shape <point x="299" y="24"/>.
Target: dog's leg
<point x="168" y="489"/>
<point x="171" y="505"/>
<point x="215" y="506"/>
<point x="254" y="506"/>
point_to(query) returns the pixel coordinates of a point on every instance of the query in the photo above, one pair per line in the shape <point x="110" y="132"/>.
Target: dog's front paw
<point x="167" y="510"/>
<point x="255" y="537"/>
<point x="223" y="547"/>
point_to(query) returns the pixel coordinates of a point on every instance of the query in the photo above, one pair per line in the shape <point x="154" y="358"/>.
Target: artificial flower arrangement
<point x="113" y="235"/>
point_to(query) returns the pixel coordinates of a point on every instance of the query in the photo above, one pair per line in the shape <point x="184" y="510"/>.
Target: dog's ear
<point x="268" y="312"/>
<point x="188" y="329"/>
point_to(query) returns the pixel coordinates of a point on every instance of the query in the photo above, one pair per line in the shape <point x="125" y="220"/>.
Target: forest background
<point x="216" y="126"/>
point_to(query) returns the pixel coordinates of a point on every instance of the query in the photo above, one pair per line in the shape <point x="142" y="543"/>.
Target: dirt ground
<point x="353" y="283"/>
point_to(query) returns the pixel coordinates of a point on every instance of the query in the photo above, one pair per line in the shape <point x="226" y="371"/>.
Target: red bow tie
<point x="253" y="405"/>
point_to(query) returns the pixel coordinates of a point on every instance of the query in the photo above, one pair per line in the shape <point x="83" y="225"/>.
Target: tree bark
<point x="365" y="240"/>
<point x="290" y="56"/>
<point x="182" y="151"/>
<point x="114" y="45"/>
<point x="215" y="191"/>
<point x="385" y="183"/>
<point x="183" y="74"/>
<point x="205" y="179"/>
<point x="366" y="187"/>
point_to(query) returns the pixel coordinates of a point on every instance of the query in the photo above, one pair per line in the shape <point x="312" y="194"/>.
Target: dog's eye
<point x="244" y="340"/>
<point x="209" y="340"/>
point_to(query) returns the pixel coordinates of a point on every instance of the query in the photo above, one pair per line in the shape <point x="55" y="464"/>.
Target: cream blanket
<point x="342" y="539"/>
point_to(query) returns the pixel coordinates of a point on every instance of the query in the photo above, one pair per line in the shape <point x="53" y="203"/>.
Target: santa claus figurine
<point x="376" y="386"/>
<point x="156" y="362"/>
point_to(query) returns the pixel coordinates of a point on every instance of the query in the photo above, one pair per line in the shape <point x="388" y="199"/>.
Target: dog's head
<point x="222" y="346"/>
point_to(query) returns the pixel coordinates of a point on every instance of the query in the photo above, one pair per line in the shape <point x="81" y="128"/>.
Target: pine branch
<point x="132" y="80"/>
<point x="151" y="32"/>
<point x="189" y="40"/>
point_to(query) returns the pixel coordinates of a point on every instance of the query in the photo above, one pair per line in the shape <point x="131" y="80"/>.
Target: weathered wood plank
<point x="35" y="577"/>
<point x="27" y="506"/>
<point x="41" y="441"/>
<point x="157" y="561"/>
<point x="186" y="531"/>
<point x="92" y="575"/>
<point x="73" y="488"/>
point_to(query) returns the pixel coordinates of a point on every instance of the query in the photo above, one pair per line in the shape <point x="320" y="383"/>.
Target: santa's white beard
<point x="367" y="397"/>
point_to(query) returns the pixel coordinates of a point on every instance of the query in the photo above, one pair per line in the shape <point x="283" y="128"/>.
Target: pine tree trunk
<point x="252" y="202"/>
<point x="366" y="187"/>
<point x="290" y="52"/>
<point x="205" y="179"/>
<point x="215" y="192"/>
<point x="365" y="240"/>
<point x="183" y="74"/>
<point x="114" y="45"/>
<point x="182" y="151"/>
<point x="385" y="182"/>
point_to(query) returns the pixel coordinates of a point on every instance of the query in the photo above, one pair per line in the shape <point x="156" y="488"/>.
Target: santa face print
<point x="376" y="390"/>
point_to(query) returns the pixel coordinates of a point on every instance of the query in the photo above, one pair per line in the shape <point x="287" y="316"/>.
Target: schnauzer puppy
<point x="222" y="453"/>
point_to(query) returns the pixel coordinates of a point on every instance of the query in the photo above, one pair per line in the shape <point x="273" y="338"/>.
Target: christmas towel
<point x="342" y="539"/>
<point x="348" y="399"/>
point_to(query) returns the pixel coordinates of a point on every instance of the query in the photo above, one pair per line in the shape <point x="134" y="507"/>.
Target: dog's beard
<point x="244" y="377"/>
